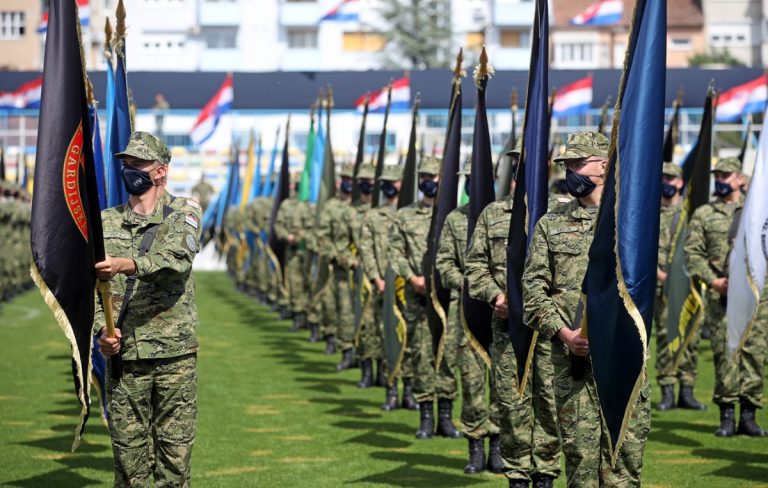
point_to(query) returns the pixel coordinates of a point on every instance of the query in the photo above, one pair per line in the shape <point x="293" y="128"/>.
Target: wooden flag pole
<point x="106" y="301"/>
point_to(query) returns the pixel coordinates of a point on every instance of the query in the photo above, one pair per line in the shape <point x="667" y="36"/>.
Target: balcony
<point x="220" y="13"/>
<point x="513" y="12"/>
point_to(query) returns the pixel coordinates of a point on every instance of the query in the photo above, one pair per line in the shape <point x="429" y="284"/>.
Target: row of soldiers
<point x="15" y="221"/>
<point x="353" y="245"/>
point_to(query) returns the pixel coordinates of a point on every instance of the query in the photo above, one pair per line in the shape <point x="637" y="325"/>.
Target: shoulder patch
<point x="191" y="243"/>
<point x="191" y="220"/>
<point x="193" y="203"/>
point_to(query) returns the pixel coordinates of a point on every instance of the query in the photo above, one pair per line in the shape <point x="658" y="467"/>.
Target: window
<point x="372" y="144"/>
<point x="220" y="37"/>
<point x="680" y="44"/>
<point x="362" y="41"/>
<point x="475" y="40"/>
<point x="511" y="38"/>
<point x="12" y="25"/>
<point x="302" y="38"/>
<point x="573" y="53"/>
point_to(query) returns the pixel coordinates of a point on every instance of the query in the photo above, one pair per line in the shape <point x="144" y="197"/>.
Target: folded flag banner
<point x="747" y="262"/>
<point x="209" y="117"/>
<point x="748" y="98"/>
<point x="66" y="235"/>
<point x="620" y="282"/>
<point x="574" y="98"/>
<point x="344" y="11"/>
<point x="602" y="12"/>
<point x="25" y="96"/>
<point x="84" y="13"/>
<point x="400" y="99"/>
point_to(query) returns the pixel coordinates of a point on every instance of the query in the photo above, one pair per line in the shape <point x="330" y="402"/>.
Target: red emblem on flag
<point x="73" y="163"/>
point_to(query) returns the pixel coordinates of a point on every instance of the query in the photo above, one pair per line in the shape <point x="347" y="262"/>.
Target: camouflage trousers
<point x="586" y="447"/>
<point x="296" y="271"/>
<point x="479" y="416"/>
<point x="153" y="406"/>
<point x="738" y="378"/>
<point x="428" y="384"/>
<point x="370" y="344"/>
<point x="530" y="437"/>
<point x="345" y="315"/>
<point x="665" y="369"/>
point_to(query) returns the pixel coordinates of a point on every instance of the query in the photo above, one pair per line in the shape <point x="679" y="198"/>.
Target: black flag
<point x="66" y="235"/>
<point x="382" y="151"/>
<point x="673" y="131"/>
<point x="477" y="315"/>
<point x="504" y="170"/>
<point x="2" y="163"/>
<point x="276" y="249"/>
<point x="360" y="151"/>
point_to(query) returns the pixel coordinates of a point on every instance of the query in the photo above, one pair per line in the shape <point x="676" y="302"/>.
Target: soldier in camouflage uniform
<point x="530" y="444"/>
<point x="554" y="270"/>
<point x="479" y="418"/>
<point x="154" y="401"/>
<point x="671" y="205"/>
<point x="16" y="258"/>
<point x="292" y="223"/>
<point x="408" y="245"/>
<point x="334" y="237"/>
<point x="711" y="232"/>
<point x="362" y="291"/>
<point x="203" y="191"/>
<point x="374" y="243"/>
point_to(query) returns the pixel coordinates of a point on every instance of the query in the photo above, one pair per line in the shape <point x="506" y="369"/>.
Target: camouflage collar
<point x="578" y="212"/>
<point x="132" y="218"/>
<point x="509" y="202"/>
<point x="720" y="205"/>
<point x="423" y="207"/>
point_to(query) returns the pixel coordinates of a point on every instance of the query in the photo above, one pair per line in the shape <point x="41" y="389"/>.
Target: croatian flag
<point x="346" y="10"/>
<point x="209" y="117"/>
<point x="603" y="12"/>
<point x="573" y="99"/>
<point x="748" y="98"/>
<point x="25" y="96"/>
<point x="85" y="16"/>
<point x="401" y="98"/>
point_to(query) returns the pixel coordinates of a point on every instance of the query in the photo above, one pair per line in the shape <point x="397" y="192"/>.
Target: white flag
<point x="747" y="263"/>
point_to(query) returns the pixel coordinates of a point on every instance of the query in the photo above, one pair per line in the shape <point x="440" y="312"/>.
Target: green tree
<point x="417" y="33"/>
<point x="714" y="57"/>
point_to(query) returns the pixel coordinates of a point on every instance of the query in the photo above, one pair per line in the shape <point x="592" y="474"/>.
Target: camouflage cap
<point x="672" y="169"/>
<point x="347" y="171"/>
<point x="583" y="144"/>
<point x="366" y="172"/>
<point x="430" y="165"/>
<point x="518" y="147"/>
<point x="728" y="165"/>
<point x="145" y="146"/>
<point x="391" y="172"/>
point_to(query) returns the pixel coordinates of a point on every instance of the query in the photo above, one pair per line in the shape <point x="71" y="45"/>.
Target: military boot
<point x="409" y="401"/>
<point x="495" y="464"/>
<point x="476" y="461"/>
<point x="390" y="402"/>
<point x="687" y="401"/>
<point x="543" y="481"/>
<point x="747" y="424"/>
<point x="298" y="322"/>
<point x="667" y="398"/>
<point x="727" y="422"/>
<point x="314" y="333"/>
<point x="380" y="376"/>
<point x="330" y="345"/>
<point x="347" y="359"/>
<point x="283" y="312"/>
<point x="445" y="427"/>
<point x="427" y="420"/>
<point x="366" y="377"/>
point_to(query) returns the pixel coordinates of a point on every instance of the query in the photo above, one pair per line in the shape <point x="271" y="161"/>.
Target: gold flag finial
<point x="513" y="98"/>
<point x="483" y="71"/>
<point x="680" y="94"/>
<point x="89" y="91"/>
<point x="458" y="70"/>
<point x="107" y="35"/>
<point x="329" y="96"/>
<point x="120" y="13"/>
<point x="320" y="102"/>
<point x="417" y="99"/>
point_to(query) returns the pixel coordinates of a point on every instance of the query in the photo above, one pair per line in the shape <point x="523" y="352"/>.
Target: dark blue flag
<point x="269" y="184"/>
<point x="621" y="276"/>
<point x="531" y="192"/>
<point x="118" y="127"/>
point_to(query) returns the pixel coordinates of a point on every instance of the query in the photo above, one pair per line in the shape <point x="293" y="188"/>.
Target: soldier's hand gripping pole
<point x="109" y="319"/>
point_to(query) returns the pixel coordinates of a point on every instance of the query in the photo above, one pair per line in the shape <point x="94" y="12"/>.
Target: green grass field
<point x="274" y="412"/>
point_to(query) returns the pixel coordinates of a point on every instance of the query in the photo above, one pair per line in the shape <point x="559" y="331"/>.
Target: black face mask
<point x="366" y="187"/>
<point x="136" y="181"/>
<point x="428" y="188"/>
<point x="346" y="186"/>
<point x="578" y="185"/>
<point x="389" y="189"/>
<point x="722" y="189"/>
<point x="668" y="190"/>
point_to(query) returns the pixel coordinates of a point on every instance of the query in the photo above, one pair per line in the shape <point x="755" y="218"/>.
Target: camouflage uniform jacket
<point x="374" y="240"/>
<point x="486" y="259"/>
<point x="162" y="316"/>
<point x="452" y="250"/>
<point x="408" y="239"/>
<point x="666" y="232"/>
<point x="334" y="233"/>
<point x="360" y="209"/>
<point x="292" y="218"/>
<point x="555" y="267"/>
<point x="707" y="246"/>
